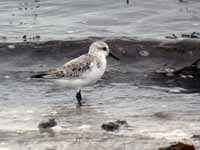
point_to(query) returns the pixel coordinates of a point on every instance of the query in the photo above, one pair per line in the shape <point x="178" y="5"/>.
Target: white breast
<point x="89" y="77"/>
<point x="96" y="71"/>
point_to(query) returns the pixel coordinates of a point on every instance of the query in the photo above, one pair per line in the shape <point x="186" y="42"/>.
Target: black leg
<point x="79" y="98"/>
<point x="127" y="1"/>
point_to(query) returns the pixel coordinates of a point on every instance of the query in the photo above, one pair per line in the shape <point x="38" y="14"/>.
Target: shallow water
<point x="36" y="20"/>
<point x="159" y="111"/>
<point x="156" y="115"/>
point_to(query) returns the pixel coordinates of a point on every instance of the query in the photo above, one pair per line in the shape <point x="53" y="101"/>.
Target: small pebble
<point x="173" y="36"/>
<point x="24" y="37"/>
<point x="49" y="124"/>
<point x="110" y="126"/>
<point x="37" y="37"/>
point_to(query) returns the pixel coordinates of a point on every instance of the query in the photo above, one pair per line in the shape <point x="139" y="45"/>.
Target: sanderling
<point x="81" y="71"/>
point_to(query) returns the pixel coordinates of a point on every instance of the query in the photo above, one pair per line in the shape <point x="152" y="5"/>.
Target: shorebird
<point x="81" y="71"/>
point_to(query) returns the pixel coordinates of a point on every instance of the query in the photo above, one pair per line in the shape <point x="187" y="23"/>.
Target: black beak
<point x="113" y="56"/>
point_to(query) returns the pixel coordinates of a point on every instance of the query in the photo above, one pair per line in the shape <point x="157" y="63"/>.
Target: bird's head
<point x="100" y="49"/>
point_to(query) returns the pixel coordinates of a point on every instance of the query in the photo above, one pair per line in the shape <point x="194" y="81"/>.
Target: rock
<point x="48" y="124"/>
<point x="37" y="37"/>
<point x="186" y="72"/>
<point x="197" y="137"/>
<point x="193" y="35"/>
<point x="173" y="36"/>
<point x="24" y="37"/>
<point x="110" y="126"/>
<point x="189" y="71"/>
<point x="179" y="146"/>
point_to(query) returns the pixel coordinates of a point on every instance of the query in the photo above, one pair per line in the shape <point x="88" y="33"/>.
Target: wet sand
<point x="158" y="112"/>
<point x="37" y="35"/>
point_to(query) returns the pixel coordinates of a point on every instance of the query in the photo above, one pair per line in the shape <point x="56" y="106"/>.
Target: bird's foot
<point x="79" y="98"/>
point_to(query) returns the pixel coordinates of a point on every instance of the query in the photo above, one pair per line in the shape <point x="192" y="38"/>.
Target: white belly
<point x="89" y="77"/>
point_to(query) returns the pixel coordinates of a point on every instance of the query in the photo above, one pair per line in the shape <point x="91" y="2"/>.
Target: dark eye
<point x="104" y="48"/>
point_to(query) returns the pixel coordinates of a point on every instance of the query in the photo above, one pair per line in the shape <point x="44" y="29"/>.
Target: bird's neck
<point x="101" y="56"/>
<point x="101" y="61"/>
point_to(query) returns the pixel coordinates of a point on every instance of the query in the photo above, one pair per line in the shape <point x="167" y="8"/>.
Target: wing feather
<point x="78" y="66"/>
<point x="72" y="69"/>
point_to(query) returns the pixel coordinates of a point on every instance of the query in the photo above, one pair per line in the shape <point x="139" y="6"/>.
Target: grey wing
<point x="72" y="69"/>
<point x="78" y="66"/>
<point x="50" y="74"/>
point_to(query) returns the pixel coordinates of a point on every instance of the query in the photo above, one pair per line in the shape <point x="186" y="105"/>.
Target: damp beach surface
<point x="158" y="111"/>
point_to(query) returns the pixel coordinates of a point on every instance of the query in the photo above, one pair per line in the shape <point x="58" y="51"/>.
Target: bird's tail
<point x="40" y="75"/>
<point x="52" y="73"/>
